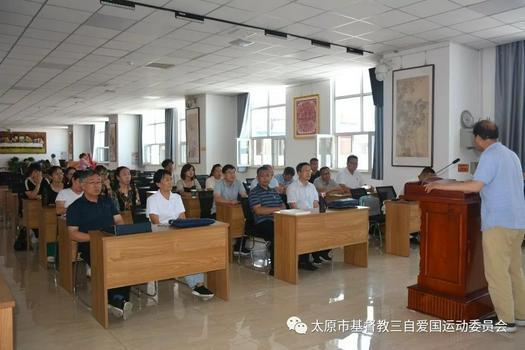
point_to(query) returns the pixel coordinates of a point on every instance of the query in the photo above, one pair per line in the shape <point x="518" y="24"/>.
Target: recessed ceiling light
<point x="241" y="43"/>
<point x="151" y="97"/>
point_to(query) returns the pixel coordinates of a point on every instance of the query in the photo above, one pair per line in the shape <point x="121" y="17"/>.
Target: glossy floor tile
<point x="334" y="303"/>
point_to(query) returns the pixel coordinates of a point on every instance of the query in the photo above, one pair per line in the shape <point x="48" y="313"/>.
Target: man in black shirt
<point x="314" y="164"/>
<point x="95" y="212"/>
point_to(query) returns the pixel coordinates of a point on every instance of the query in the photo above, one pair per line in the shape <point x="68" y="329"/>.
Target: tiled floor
<point x="47" y="317"/>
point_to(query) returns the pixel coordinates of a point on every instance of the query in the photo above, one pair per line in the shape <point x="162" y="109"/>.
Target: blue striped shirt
<point x="265" y="198"/>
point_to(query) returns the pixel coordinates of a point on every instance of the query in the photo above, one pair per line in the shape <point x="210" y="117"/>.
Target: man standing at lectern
<point x="499" y="179"/>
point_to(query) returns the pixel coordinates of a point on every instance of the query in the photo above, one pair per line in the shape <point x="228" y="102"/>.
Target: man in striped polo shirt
<point x="264" y="201"/>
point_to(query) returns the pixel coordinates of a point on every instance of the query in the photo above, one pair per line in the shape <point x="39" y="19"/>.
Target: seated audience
<point x="264" y="201"/>
<point x="324" y="183"/>
<point x="34" y="182"/>
<point x="95" y="212"/>
<point x="215" y="176"/>
<point x="167" y="164"/>
<point x="125" y="192"/>
<point x="349" y="177"/>
<point x="301" y="194"/>
<point x="106" y="183"/>
<point x="83" y="161"/>
<point x="163" y="206"/>
<point x="314" y="165"/>
<point x="54" y="161"/>
<point x="68" y="195"/>
<point x="227" y="191"/>
<point x="68" y="175"/>
<point x="273" y="181"/>
<point x="426" y="173"/>
<point x="51" y="190"/>
<point x="286" y="178"/>
<point x="188" y="180"/>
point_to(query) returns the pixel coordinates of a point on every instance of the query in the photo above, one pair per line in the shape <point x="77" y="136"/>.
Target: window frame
<point x="148" y="146"/>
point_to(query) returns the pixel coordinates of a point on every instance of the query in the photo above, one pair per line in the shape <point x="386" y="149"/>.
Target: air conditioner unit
<point x="466" y="138"/>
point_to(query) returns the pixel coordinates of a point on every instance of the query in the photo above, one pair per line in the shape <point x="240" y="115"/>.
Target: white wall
<point x="57" y="140"/>
<point x="81" y="142"/>
<point x="221" y="131"/>
<point x="127" y="140"/>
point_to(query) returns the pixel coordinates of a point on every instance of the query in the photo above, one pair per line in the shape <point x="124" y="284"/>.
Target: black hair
<point x="53" y="155"/>
<point x="313" y="159"/>
<point x="213" y="168"/>
<point x="486" y="129"/>
<point x="428" y="170"/>
<point x="227" y="167"/>
<point x="119" y="169"/>
<point x="81" y="155"/>
<point x="261" y="169"/>
<point x="69" y="168"/>
<point x="159" y="174"/>
<point x="184" y="169"/>
<point x="323" y="168"/>
<point x="32" y="168"/>
<point x="99" y="169"/>
<point x="289" y="171"/>
<point x="166" y="162"/>
<point x="350" y="157"/>
<point x="300" y="166"/>
<point x="84" y="174"/>
<point x="53" y="169"/>
<point x="79" y="174"/>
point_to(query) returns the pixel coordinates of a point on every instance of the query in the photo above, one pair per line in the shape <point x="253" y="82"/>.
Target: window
<point x="153" y="136"/>
<point x="100" y="149"/>
<point x="354" y="118"/>
<point x="267" y="130"/>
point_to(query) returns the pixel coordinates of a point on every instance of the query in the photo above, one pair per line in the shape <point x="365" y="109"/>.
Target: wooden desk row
<point x="402" y="219"/>
<point x="7" y="304"/>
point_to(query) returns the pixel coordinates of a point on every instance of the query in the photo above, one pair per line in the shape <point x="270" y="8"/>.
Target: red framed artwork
<point x="306" y="116"/>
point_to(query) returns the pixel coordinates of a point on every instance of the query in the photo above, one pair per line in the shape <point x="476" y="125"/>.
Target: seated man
<point x="93" y="212"/>
<point x="324" y="183"/>
<point x="273" y="181"/>
<point x="426" y="173"/>
<point x="314" y="165"/>
<point x="227" y="191"/>
<point x="302" y="195"/>
<point x="264" y="201"/>
<point x="349" y="177"/>
<point x="286" y="178"/>
<point x="163" y="206"/>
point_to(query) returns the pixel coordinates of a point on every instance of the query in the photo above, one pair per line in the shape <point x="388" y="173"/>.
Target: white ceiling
<point x="68" y="61"/>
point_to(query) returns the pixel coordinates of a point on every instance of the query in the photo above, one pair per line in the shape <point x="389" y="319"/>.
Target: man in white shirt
<point x="301" y="194"/>
<point x="54" y="161"/>
<point x="163" y="206"/>
<point x="349" y="177"/>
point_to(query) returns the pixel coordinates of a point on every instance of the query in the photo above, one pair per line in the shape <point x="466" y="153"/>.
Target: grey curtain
<point x="510" y="96"/>
<point x="92" y="141"/>
<point x="168" y="113"/>
<point x="141" y="155"/>
<point x="106" y="134"/>
<point x="242" y="111"/>
<point x="377" y="94"/>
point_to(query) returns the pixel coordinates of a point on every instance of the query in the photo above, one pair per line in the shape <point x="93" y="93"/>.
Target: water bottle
<point x="322" y="203"/>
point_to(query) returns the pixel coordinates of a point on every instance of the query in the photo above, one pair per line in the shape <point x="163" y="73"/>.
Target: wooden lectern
<point x="451" y="283"/>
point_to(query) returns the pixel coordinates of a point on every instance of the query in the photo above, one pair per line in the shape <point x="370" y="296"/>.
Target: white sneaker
<point x="123" y="313"/>
<point x="115" y="311"/>
<point x="88" y="271"/>
<point x="32" y="237"/>
<point x="51" y="259"/>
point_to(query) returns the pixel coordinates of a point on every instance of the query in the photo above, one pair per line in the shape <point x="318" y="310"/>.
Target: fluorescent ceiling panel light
<point x="320" y="43"/>
<point x="354" y="51"/>
<point x="151" y="97"/>
<point x="189" y="16"/>
<point x="275" y="34"/>
<point x="123" y="4"/>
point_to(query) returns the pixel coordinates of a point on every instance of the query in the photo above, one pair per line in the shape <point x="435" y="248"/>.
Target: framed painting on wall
<point x="18" y="142"/>
<point x="413" y="116"/>
<point x="306" y="116"/>
<point x="193" y="140"/>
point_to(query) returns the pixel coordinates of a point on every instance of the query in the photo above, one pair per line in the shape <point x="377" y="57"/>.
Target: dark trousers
<point x="264" y="230"/>
<point x="116" y="296"/>
<point x="321" y="252"/>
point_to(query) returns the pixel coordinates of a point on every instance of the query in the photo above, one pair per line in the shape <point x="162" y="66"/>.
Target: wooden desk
<point x="67" y="255"/>
<point x="31" y="213"/>
<point x="300" y="234"/>
<point x="7" y="304"/>
<point x="234" y="216"/>
<point x="191" y="205"/>
<point x="402" y="219"/>
<point x="47" y="231"/>
<point x="139" y="258"/>
<point x="3" y="192"/>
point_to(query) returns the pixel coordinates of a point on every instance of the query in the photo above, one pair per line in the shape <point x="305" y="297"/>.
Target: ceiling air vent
<point x="159" y="65"/>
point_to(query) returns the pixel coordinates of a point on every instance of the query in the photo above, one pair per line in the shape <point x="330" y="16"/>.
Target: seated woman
<point x="106" y="183"/>
<point x="215" y="176"/>
<point x="126" y="194"/>
<point x="68" y="175"/>
<point x="164" y="206"/>
<point x="188" y="180"/>
<point x="34" y="182"/>
<point x="67" y="196"/>
<point x="51" y="190"/>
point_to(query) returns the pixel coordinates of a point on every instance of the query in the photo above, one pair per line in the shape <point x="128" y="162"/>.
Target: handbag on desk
<point x="187" y="223"/>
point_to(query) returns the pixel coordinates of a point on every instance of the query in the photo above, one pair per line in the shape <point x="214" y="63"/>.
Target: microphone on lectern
<point x="447" y="166"/>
